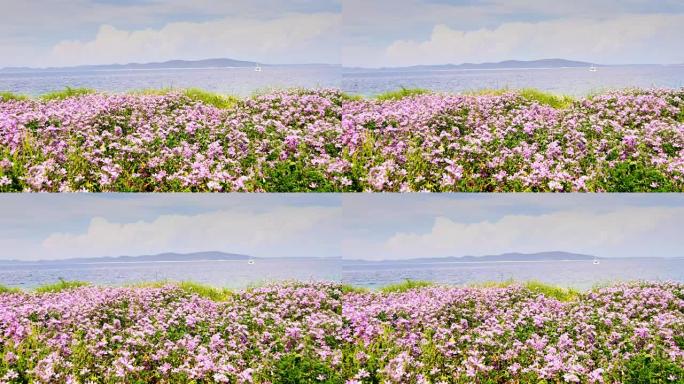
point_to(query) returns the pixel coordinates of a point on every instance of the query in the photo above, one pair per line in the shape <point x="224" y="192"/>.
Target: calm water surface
<point x="577" y="274"/>
<point x="231" y="274"/>
<point x="570" y="81"/>
<point x="235" y="81"/>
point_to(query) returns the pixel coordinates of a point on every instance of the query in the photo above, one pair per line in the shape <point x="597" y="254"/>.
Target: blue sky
<point x="363" y="226"/>
<point x="409" y="32"/>
<point x="69" y="32"/>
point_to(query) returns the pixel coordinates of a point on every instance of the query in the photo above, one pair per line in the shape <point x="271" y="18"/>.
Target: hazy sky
<point x="364" y="226"/>
<point x="69" y="32"/>
<point x="354" y="32"/>
<point x="434" y="225"/>
<point x="409" y="32"/>
<point x="93" y="225"/>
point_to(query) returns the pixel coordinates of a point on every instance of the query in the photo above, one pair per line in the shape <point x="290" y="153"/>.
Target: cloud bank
<point x="628" y="232"/>
<point x="627" y="39"/>
<point x="290" y="38"/>
<point x="284" y="231"/>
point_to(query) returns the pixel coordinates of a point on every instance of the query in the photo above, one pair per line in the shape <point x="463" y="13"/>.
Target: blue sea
<point x="569" y="81"/>
<point x="576" y="274"/>
<point x="230" y="274"/>
<point x="233" y="81"/>
<point x="246" y="81"/>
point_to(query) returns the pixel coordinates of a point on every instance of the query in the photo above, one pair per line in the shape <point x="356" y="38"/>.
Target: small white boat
<point x="257" y="68"/>
<point x="596" y="262"/>
<point x="593" y="68"/>
<point x="250" y="262"/>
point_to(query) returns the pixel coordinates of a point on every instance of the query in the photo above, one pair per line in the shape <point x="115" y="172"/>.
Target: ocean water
<point x="570" y="81"/>
<point x="231" y="274"/>
<point x="234" y="81"/>
<point x="576" y="274"/>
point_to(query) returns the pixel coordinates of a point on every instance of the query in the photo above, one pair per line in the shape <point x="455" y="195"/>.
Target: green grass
<point x="195" y="94"/>
<point x="66" y="93"/>
<point x="190" y="287"/>
<point x="545" y="98"/>
<point x="218" y="101"/>
<point x="531" y="94"/>
<point x="488" y="92"/>
<point x="5" y="289"/>
<point x="407" y="285"/>
<point x="348" y="288"/>
<point x="402" y="93"/>
<point x="7" y="96"/>
<point x="548" y="290"/>
<point x="60" y="286"/>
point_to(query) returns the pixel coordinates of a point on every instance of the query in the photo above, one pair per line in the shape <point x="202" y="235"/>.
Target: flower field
<point x="323" y="140"/>
<point x="626" y="141"/>
<point x="328" y="333"/>
<point x="170" y="142"/>
<point x="278" y="334"/>
<point x="621" y="334"/>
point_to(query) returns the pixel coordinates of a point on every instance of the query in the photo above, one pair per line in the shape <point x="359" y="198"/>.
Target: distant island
<point x="507" y="64"/>
<point x="169" y="257"/>
<point x="510" y="257"/>
<point x="171" y="64"/>
<point x="161" y="257"/>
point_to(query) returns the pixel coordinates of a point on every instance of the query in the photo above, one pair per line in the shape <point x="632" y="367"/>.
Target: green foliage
<point x="5" y="289"/>
<point x="558" y="293"/>
<point x="67" y="93"/>
<point x="190" y="287"/>
<point x="644" y="368"/>
<point x="349" y="97"/>
<point x="634" y="176"/>
<point x="402" y="93"/>
<point x="8" y="96"/>
<point x="152" y="91"/>
<point x="405" y="286"/>
<point x="348" y="288"/>
<point x="214" y="99"/>
<point x="548" y="290"/>
<point x="488" y="92"/>
<point x="555" y="101"/>
<point x="294" y="176"/>
<point x="62" y="285"/>
<point x="294" y="368"/>
<point x="206" y="291"/>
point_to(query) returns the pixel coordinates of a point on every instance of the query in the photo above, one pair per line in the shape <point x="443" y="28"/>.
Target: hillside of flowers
<point x="327" y="333"/>
<point x="622" y="334"/>
<point x="324" y="140"/>
<point x="280" y="141"/>
<point x="620" y="141"/>
<point x="287" y="333"/>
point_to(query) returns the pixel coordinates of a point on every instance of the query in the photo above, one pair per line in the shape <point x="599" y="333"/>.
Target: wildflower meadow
<point x="332" y="333"/>
<point x="324" y="140"/>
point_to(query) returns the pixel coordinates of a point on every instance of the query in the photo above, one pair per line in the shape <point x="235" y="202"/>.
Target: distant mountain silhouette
<point x="507" y="64"/>
<point x="171" y="64"/>
<point x="169" y="257"/>
<point x="513" y="256"/>
<point x="163" y="257"/>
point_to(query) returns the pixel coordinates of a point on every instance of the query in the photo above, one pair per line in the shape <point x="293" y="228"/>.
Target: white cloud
<point x="289" y="38"/>
<point x="283" y="231"/>
<point x="627" y="38"/>
<point x="648" y="231"/>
